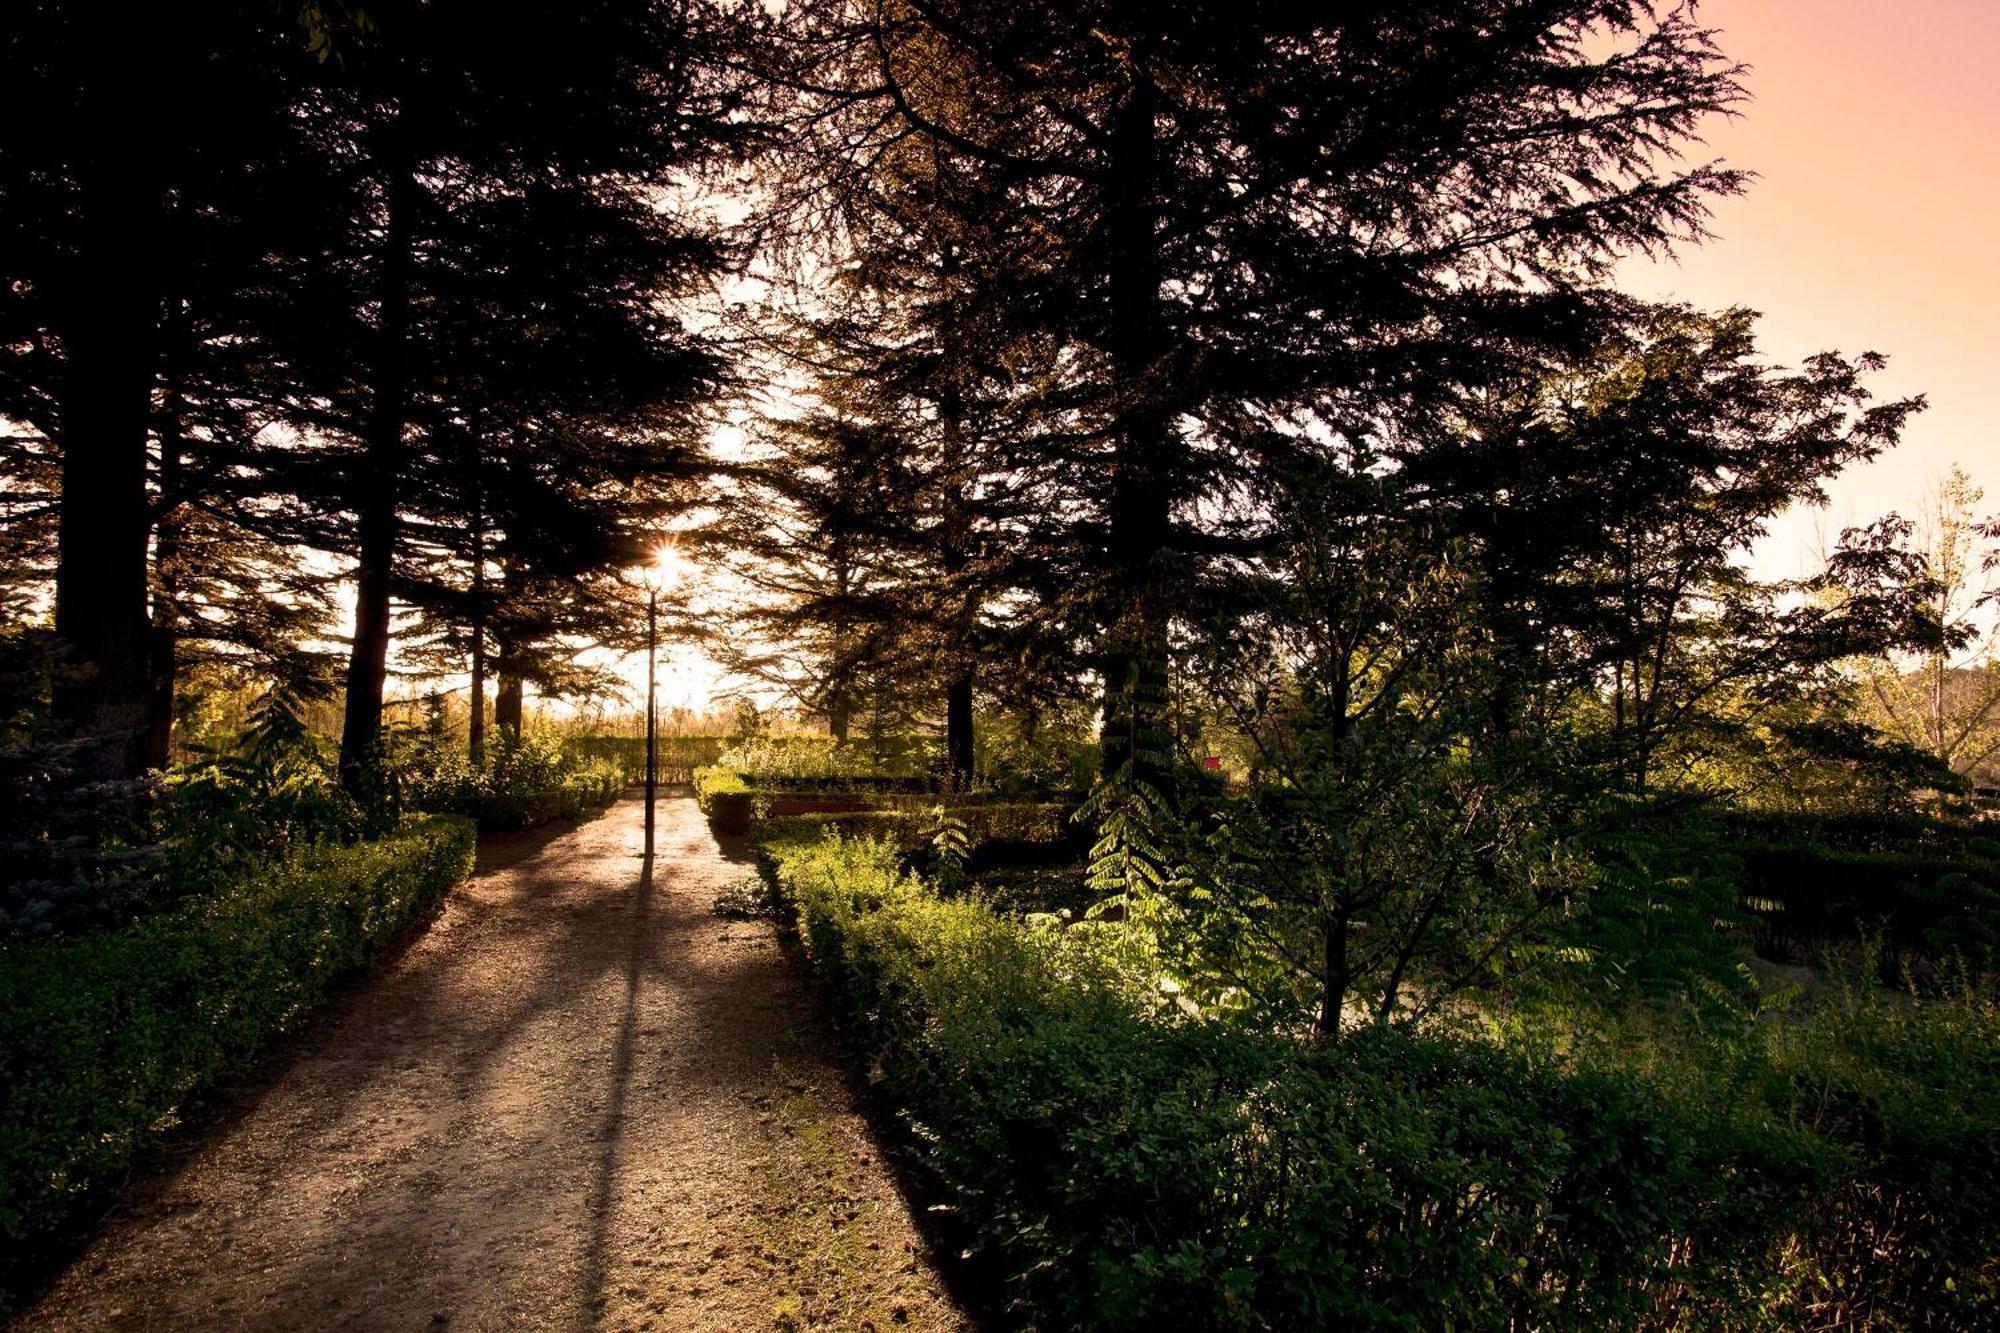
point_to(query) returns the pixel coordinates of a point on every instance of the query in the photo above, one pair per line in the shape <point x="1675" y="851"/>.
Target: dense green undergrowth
<point x="105" y="1036"/>
<point x="1119" y="1163"/>
<point x="1926" y="891"/>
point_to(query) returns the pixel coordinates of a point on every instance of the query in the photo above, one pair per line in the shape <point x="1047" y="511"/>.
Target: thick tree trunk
<point x="839" y="685"/>
<point x="164" y="676"/>
<point x="1135" y="661"/>
<point x="375" y="480"/>
<point x="961" y="609"/>
<point x="507" y="706"/>
<point x="1336" y="912"/>
<point x="958" y="735"/>
<point x="110" y="334"/>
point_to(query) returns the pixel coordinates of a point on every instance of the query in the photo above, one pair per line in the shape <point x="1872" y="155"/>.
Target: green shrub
<point x="987" y="823"/>
<point x="1120" y="1166"/>
<point x="709" y="783"/>
<point x="105" y="1036"/>
<point x="792" y="763"/>
<point x="1855" y="832"/>
<point x="1017" y="759"/>
<point x="675" y="757"/>
<point x="1919" y="903"/>
<point x="1906" y="1236"/>
<point x="78" y="856"/>
<point x="527" y="782"/>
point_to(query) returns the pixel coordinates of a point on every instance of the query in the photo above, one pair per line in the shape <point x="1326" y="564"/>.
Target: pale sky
<point x="1875" y="130"/>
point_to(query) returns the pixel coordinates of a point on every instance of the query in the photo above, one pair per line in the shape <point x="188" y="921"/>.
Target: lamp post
<point x="657" y="574"/>
<point x="652" y="757"/>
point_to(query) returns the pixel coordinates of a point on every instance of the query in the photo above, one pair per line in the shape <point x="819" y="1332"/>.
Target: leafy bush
<point x="528" y="781"/>
<point x="1122" y="1167"/>
<point x="73" y="856"/>
<point x="709" y="783"/>
<point x="1661" y="915"/>
<point x="676" y="757"/>
<point x="271" y="788"/>
<point x="1906" y="1234"/>
<point x="105" y="1036"/>
<point x="1920" y="903"/>
<point x="770" y="758"/>
<point x="1013" y="758"/>
<point x="77" y="856"/>
<point x="1893" y="831"/>
<point x="790" y="762"/>
<point x="989" y="825"/>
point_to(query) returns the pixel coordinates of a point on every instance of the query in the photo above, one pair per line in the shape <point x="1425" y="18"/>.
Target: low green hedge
<point x="1121" y="1167"/>
<point x="510" y="808"/>
<point x="711" y="782"/>
<point x="819" y="760"/>
<point x="103" y="1037"/>
<point x="579" y="793"/>
<point x="1865" y="832"/>
<point x="675" y="757"/>
<point x="987" y="825"/>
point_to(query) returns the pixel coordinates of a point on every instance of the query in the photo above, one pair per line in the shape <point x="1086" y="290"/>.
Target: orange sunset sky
<point x="1875" y="130"/>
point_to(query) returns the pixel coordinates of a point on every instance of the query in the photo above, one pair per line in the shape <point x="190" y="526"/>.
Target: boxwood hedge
<point x="1118" y="1165"/>
<point x="103" y="1037"/>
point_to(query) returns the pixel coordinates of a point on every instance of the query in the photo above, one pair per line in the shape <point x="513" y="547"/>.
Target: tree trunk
<point x="839" y="689"/>
<point x="1335" y="980"/>
<point x="475" y="726"/>
<point x="961" y="610"/>
<point x="1135" y="657"/>
<point x="164" y="641"/>
<point x="375" y="480"/>
<point x="958" y="735"/>
<point x="507" y="706"/>
<point x="110" y="333"/>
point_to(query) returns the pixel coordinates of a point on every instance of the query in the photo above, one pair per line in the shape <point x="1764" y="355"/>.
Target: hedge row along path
<point x="581" y="1100"/>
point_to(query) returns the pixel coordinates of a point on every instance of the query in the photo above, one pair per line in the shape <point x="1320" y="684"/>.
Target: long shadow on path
<point x="581" y="1100"/>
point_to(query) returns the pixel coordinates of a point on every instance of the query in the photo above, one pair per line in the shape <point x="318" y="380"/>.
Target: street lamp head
<point x="662" y="571"/>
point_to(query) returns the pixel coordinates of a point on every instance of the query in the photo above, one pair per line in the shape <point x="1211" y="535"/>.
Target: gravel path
<point x="580" y="1100"/>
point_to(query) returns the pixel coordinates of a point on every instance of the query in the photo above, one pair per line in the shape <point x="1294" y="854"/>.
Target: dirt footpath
<point x="580" y="1100"/>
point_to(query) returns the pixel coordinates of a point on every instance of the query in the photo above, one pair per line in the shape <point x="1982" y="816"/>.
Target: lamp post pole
<point x="652" y="760"/>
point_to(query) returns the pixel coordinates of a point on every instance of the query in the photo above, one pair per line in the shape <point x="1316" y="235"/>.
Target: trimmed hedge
<point x="1122" y="1168"/>
<point x="104" y="1037"/>
<point x="1864" y="832"/>
<point x="725" y="798"/>
<point x="676" y="756"/>
<point x="989" y="825"/>
<point x="569" y="795"/>
<point x="580" y="793"/>
<point x="710" y="783"/>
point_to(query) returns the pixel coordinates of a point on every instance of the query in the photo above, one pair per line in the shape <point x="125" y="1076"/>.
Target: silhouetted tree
<point x="1248" y="226"/>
